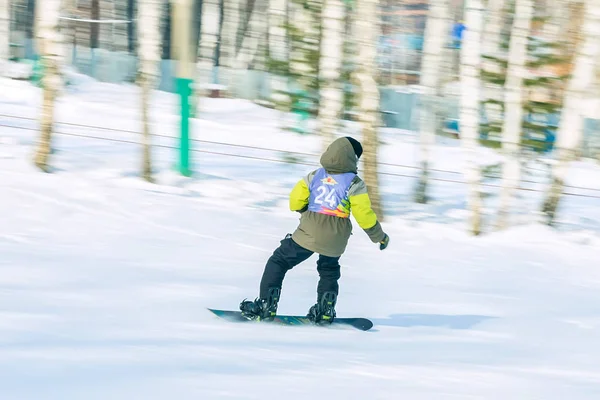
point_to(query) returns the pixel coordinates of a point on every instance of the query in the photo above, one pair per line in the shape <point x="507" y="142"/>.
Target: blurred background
<point x="307" y="60"/>
<point x="147" y="153"/>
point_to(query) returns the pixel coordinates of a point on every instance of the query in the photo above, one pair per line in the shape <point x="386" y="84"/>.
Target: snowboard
<point x="362" y="324"/>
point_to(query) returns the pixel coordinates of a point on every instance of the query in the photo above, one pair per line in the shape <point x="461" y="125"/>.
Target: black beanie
<point x="358" y="150"/>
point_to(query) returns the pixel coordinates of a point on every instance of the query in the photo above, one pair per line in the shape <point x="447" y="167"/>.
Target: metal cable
<point x="195" y="150"/>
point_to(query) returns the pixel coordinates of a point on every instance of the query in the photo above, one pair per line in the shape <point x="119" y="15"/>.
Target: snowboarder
<point x="324" y="198"/>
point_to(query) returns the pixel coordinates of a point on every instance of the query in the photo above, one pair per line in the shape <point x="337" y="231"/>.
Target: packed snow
<point x="105" y="279"/>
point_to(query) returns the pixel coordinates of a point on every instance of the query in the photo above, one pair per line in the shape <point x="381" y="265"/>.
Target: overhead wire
<point x="299" y="162"/>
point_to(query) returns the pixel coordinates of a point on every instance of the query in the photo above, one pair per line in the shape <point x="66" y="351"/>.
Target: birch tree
<point x="557" y="14"/>
<point x="149" y="40"/>
<point x="469" y="108"/>
<point x="574" y="22"/>
<point x="435" y="35"/>
<point x="368" y="29"/>
<point x="254" y="35"/>
<point x="513" y="106"/>
<point x="95" y="27"/>
<point x="493" y="66"/>
<point x="51" y="51"/>
<point x="493" y="26"/>
<point x="330" y="65"/>
<point x="570" y="129"/>
<point x="4" y="36"/>
<point x="207" y="44"/>
<point x="304" y="33"/>
<point x="279" y="56"/>
<point x="131" y="26"/>
<point x="231" y="20"/>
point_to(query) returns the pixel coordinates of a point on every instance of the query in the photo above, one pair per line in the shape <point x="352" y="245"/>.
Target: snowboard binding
<point x="261" y="309"/>
<point x="323" y="313"/>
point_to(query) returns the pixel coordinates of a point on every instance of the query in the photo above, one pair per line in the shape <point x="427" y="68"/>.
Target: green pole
<point x="184" y="86"/>
<point x="182" y="40"/>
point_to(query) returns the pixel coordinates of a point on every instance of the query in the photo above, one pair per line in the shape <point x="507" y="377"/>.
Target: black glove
<point x="384" y="243"/>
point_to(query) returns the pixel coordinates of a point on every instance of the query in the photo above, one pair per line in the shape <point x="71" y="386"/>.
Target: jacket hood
<point x="340" y="157"/>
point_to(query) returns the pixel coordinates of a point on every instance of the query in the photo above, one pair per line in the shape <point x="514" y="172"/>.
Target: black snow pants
<point x="287" y="256"/>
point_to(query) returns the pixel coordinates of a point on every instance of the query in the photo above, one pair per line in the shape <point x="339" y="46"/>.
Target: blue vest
<point x="329" y="193"/>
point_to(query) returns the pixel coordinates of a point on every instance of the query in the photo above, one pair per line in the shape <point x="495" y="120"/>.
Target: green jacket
<point x="326" y="234"/>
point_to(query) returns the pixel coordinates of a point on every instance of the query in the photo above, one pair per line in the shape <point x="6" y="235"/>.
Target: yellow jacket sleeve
<point x="299" y="196"/>
<point x="361" y="210"/>
<point x="363" y="213"/>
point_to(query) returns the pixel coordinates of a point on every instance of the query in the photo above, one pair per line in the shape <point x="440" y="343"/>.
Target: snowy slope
<point x="104" y="279"/>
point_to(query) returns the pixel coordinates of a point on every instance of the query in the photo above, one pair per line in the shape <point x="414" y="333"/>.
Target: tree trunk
<point x="492" y="46"/>
<point x="574" y="23"/>
<point x="259" y="61"/>
<point x="252" y="36"/>
<point x="435" y="35"/>
<point x="51" y="52"/>
<point x="570" y="129"/>
<point x="95" y="27"/>
<point x="513" y="107"/>
<point x="493" y="26"/>
<point x="469" y="110"/>
<point x="145" y="84"/>
<point x="209" y="33"/>
<point x="31" y="13"/>
<point x="368" y="29"/>
<point x="167" y="17"/>
<point x="197" y="26"/>
<point x="332" y="45"/>
<point x="4" y="36"/>
<point x="131" y="26"/>
<point x="279" y="58"/>
<point x="149" y="45"/>
<point x="557" y="11"/>
<point x="219" y="37"/>
<point x="231" y="20"/>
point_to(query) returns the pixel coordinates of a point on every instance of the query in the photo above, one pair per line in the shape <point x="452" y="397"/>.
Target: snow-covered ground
<point x="104" y="279"/>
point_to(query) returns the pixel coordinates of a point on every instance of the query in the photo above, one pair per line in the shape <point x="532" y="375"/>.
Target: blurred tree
<point x="542" y="83"/>
<point x="131" y="11"/>
<point x="437" y="27"/>
<point x="493" y="63"/>
<point x="149" y="45"/>
<point x="469" y="110"/>
<point x="69" y="31"/>
<point x="349" y="61"/>
<point x="513" y="106"/>
<point x="95" y="27"/>
<point x="253" y="36"/>
<point x="330" y="65"/>
<point x="206" y="49"/>
<point x="278" y="57"/>
<point x="166" y="21"/>
<point x="493" y="26"/>
<point x="304" y="33"/>
<point x="230" y="11"/>
<point x="367" y="36"/>
<point x="197" y="26"/>
<point x="575" y="21"/>
<point x="246" y="11"/>
<point x="298" y="87"/>
<point x="570" y="130"/>
<point x="31" y="6"/>
<point x="219" y="38"/>
<point x="4" y="35"/>
<point x="51" y="49"/>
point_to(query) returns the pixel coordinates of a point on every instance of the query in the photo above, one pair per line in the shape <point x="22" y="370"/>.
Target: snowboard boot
<point x="323" y="313"/>
<point x="261" y="309"/>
